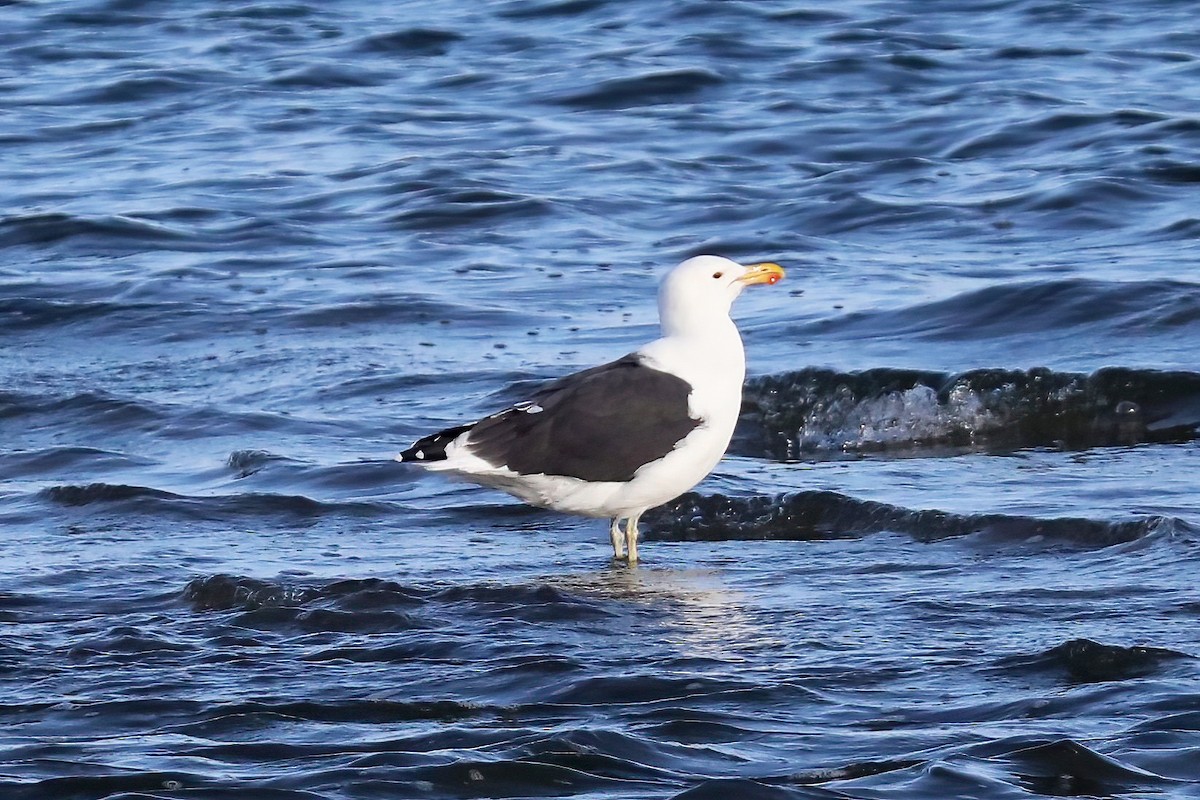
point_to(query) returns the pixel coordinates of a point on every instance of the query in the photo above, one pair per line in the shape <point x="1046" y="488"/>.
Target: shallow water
<point x="249" y="250"/>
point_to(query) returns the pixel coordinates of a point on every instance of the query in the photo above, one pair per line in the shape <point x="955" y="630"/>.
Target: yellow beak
<point x="762" y="273"/>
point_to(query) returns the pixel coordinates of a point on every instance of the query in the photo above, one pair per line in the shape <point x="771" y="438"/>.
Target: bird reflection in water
<point x="693" y="608"/>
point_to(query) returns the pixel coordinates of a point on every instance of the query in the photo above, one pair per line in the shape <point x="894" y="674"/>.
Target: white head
<point x="697" y="294"/>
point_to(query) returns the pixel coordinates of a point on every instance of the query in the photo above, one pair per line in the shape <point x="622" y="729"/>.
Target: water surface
<point x="250" y="250"/>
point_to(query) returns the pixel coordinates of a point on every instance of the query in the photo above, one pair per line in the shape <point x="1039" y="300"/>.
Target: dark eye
<point x="718" y="274"/>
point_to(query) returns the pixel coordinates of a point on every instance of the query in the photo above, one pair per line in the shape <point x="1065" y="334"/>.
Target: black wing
<point x="433" y="446"/>
<point x="601" y="424"/>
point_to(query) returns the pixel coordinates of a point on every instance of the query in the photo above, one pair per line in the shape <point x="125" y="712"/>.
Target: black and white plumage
<point x="615" y="440"/>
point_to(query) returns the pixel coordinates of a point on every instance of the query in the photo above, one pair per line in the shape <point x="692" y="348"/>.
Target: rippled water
<point x="250" y="250"/>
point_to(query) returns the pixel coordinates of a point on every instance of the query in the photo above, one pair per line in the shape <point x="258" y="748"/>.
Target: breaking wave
<point x="817" y="412"/>
<point x="817" y="515"/>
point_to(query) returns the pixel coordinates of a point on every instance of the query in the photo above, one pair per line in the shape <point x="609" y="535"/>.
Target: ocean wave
<point x="350" y="606"/>
<point x="98" y="414"/>
<point x="441" y="206"/>
<point x="247" y="462"/>
<point x="142" y="89"/>
<point x="135" y="311"/>
<point x="610" y="753"/>
<point x="817" y="412"/>
<point x="364" y="606"/>
<point x="51" y="227"/>
<point x="57" y="460"/>
<point x="410" y="41"/>
<point x="1001" y="311"/>
<point x="651" y="88"/>
<point x="1052" y="129"/>
<point x="180" y="228"/>
<point x="1065" y="768"/>
<point x="1168" y="170"/>
<point x="756" y="789"/>
<point x="98" y="407"/>
<point x="222" y="592"/>
<point x="385" y="309"/>
<point x="543" y="9"/>
<point x="653" y="688"/>
<point x="102" y="493"/>
<point x="1017" y="765"/>
<point x="532" y="601"/>
<point x="816" y="515"/>
<point x="1088" y="661"/>
<point x="116" y="784"/>
<point x="327" y="75"/>
<point x="147" y="500"/>
<point x="29" y="313"/>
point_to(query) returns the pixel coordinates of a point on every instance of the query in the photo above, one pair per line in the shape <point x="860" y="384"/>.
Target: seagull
<point x="618" y="439"/>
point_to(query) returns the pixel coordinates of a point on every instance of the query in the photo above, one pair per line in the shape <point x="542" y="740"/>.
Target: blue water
<point x="250" y="250"/>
